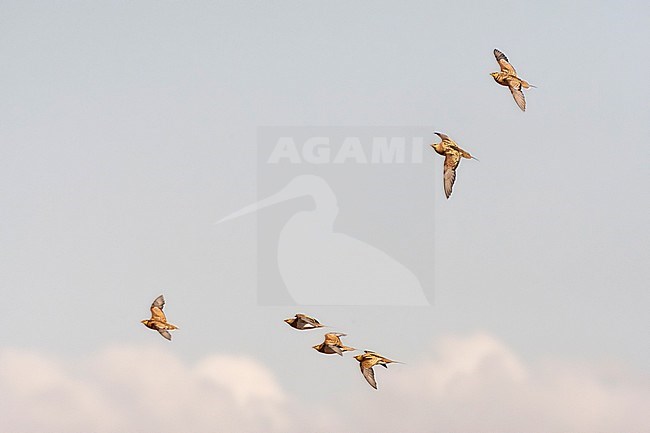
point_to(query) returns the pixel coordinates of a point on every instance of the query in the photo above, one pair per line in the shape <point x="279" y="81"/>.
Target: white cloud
<point x="243" y="377"/>
<point x="478" y="384"/>
<point x="474" y="383"/>
<point x="478" y="356"/>
<point x="128" y="389"/>
<point x="39" y="395"/>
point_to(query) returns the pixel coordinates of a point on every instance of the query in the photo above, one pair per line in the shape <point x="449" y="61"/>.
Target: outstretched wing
<point x="165" y="334"/>
<point x="335" y="349"/>
<point x="309" y="321"/>
<point x="334" y="338"/>
<point x="159" y="302"/>
<point x="156" y="309"/>
<point x="369" y="374"/>
<point x="452" y="159"/>
<point x="443" y="137"/>
<point x="503" y="63"/>
<point x="518" y="95"/>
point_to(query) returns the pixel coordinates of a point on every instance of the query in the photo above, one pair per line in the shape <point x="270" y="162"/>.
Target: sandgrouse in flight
<point x="367" y="361"/>
<point x="301" y="321"/>
<point x="333" y="344"/>
<point x="508" y="77"/>
<point x="452" y="153"/>
<point x="158" y="320"/>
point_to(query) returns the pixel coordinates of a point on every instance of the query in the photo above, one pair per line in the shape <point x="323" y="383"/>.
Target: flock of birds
<point x="448" y="147"/>
<point x="332" y="343"/>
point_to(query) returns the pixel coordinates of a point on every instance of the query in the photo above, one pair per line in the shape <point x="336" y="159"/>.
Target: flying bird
<point x="368" y="360"/>
<point x="452" y="153"/>
<point x="333" y="344"/>
<point x="158" y="320"/>
<point x="301" y="321"/>
<point x="508" y="77"/>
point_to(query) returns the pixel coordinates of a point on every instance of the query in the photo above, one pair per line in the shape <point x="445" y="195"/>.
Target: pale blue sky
<point x="128" y="128"/>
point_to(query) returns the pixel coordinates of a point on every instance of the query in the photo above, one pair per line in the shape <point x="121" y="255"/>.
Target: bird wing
<point x="452" y="159"/>
<point x="157" y="314"/>
<point x="300" y="322"/>
<point x="332" y="339"/>
<point x="309" y="320"/>
<point x="336" y="349"/>
<point x="159" y="302"/>
<point x="518" y="95"/>
<point x="369" y="374"/>
<point x="503" y="63"/>
<point x="156" y="309"/>
<point x="457" y="148"/>
<point x="165" y="333"/>
<point x="443" y="137"/>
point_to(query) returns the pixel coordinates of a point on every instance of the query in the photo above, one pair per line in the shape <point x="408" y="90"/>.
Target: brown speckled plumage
<point x="301" y="321"/>
<point x="333" y="344"/>
<point x="368" y="360"/>
<point x="158" y="321"/>
<point x="453" y="154"/>
<point x="508" y="77"/>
